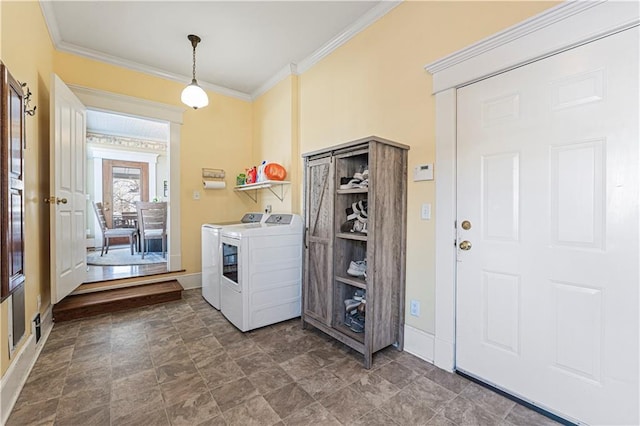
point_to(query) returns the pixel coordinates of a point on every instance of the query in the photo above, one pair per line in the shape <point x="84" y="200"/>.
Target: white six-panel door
<point x="68" y="191"/>
<point x="547" y="292"/>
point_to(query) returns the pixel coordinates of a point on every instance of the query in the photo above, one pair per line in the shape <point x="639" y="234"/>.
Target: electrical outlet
<point x="415" y="308"/>
<point x="268" y="209"/>
<point x="196" y="195"/>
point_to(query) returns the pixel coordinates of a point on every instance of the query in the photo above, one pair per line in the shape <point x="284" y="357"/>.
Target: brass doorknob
<point x="50" y="200"/>
<point x="61" y="201"/>
<point x="465" y="245"/>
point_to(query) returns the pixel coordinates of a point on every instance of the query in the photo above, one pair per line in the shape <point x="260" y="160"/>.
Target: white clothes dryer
<point x="212" y="257"/>
<point x="261" y="279"/>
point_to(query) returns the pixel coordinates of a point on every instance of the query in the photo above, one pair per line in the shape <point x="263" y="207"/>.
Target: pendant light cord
<point x="194" y="62"/>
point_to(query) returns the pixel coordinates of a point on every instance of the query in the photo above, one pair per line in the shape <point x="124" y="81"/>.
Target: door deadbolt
<point x="465" y="245"/>
<point x="466" y="225"/>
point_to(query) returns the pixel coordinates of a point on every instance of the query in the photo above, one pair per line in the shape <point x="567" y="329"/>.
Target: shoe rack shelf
<point x="330" y="247"/>
<point x="358" y="236"/>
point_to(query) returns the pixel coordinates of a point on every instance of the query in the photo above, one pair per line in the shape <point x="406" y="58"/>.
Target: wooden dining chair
<point x="152" y="223"/>
<point x="108" y="233"/>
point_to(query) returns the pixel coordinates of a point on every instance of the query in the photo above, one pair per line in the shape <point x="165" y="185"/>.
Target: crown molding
<point x="286" y="71"/>
<point x="50" y="20"/>
<point x="528" y="26"/>
<point x="363" y="22"/>
<point x="156" y="72"/>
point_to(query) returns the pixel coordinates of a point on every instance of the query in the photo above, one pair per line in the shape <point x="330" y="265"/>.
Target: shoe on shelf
<point x="348" y="226"/>
<point x="357" y="268"/>
<point x="351" y="305"/>
<point x="359" y="294"/>
<point x="350" y="183"/>
<point x="351" y="214"/>
<point x="363" y="184"/>
<point x="359" y="226"/>
<point x="362" y="176"/>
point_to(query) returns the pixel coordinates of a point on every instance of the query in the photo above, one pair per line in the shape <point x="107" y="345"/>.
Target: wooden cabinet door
<point x="12" y="185"/>
<point x="318" y="275"/>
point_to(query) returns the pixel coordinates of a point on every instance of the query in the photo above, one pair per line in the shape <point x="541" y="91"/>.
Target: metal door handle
<point x="50" y="200"/>
<point x="61" y="201"/>
<point x="465" y="245"/>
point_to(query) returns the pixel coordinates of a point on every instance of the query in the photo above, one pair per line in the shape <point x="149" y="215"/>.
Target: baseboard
<point x="190" y="281"/>
<point x="16" y="376"/>
<point x="419" y="343"/>
<point x="444" y="355"/>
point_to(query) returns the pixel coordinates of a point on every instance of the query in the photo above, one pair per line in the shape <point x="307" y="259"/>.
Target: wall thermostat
<point x="423" y="172"/>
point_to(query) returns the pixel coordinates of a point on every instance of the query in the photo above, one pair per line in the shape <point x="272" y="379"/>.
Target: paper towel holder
<point x="213" y="175"/>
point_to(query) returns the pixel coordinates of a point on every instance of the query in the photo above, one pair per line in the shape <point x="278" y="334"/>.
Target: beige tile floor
<point x="182" y="363"/>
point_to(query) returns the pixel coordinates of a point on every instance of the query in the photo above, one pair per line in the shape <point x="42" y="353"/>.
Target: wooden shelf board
<point x="358" y="236"/>
<point x="352" y="282"/>
<point x="353" y="191"/>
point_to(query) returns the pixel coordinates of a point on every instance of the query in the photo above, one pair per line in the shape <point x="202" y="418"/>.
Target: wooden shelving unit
<point x="329" y="251"/>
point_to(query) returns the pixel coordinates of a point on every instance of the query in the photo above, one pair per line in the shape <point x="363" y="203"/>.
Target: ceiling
<point x="247" y="46"/>
<point x="106" y="123"/>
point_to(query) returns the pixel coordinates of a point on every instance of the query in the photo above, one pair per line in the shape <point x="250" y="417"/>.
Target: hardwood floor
<point x="97" y="273"/>
<point x="105" y="273"/>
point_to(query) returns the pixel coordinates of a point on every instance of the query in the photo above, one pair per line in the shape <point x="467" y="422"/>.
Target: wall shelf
<point x="253" y="188"/>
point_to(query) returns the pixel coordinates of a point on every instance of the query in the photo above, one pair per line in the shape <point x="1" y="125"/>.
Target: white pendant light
<point x="193" y="95"/>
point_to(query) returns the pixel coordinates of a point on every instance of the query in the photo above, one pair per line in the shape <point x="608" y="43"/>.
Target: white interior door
<point x="68" y="191"/>
<point x="547" y="291"/>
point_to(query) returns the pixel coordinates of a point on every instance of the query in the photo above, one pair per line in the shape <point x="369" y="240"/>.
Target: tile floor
<point x="182" y="363"/>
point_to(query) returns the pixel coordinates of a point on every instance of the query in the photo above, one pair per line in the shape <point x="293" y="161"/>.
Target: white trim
<point x="418" y="343"/>
<point x="121" y="104"/>
<point x="563" y="27"/>
<point x="50" y="19"/>
<point x="108" y="101"/>
<point x="190" y="281"/>
<point x="286" y="71"/>
<point x="354" y="29"/>
<point x="445" y="228"/>
<point x="16" y="376"/>
<point x="64" y="46"/>
<point x="560" y="28"/>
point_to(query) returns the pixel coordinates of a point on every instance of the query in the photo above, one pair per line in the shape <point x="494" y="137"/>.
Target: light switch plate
<point x="425" y="211"/>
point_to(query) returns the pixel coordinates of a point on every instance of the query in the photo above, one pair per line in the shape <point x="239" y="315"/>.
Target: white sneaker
<point x="357" y="268"/>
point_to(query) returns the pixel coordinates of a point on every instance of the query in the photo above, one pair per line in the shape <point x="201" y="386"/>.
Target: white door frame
<point x="558" y="29"/>
<point x="127" y="105"/>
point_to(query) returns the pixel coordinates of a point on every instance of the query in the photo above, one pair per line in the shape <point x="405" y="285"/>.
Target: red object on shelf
<point x="274" y="171"/>
<point x="252" y="175"/>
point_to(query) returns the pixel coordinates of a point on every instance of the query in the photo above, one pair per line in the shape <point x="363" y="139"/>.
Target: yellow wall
<point x="376" y="84"/>
<point x="27" y="52"/>
<point x="218" y="136"/>
<point x="275" y="136"/>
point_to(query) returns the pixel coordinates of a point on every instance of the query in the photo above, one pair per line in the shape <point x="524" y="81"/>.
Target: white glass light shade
<point x="194" y="96"/>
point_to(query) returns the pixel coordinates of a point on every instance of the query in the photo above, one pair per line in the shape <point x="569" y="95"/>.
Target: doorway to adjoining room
<point x="127" y="162"/>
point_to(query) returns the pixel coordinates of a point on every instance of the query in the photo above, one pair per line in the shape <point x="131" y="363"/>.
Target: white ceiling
<point x="106" y="123"/>
<point x="246" y="47"/>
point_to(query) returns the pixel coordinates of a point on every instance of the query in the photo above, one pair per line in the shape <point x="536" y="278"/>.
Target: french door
<point x="123" y="184"/>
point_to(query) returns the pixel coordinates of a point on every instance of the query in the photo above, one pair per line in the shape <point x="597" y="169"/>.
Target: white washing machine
<point x="212" y="258"/>
<point x="261" y="279"/>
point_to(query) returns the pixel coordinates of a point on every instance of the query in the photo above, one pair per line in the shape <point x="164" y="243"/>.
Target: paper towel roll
<point x="214" y="184"/>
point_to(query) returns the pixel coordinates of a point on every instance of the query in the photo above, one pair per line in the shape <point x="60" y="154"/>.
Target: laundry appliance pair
<point x="252" y="270"/>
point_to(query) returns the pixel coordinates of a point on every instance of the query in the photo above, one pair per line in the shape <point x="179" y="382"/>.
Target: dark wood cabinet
<point x="12" y="139"/>
<point x="333" y="242"/>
